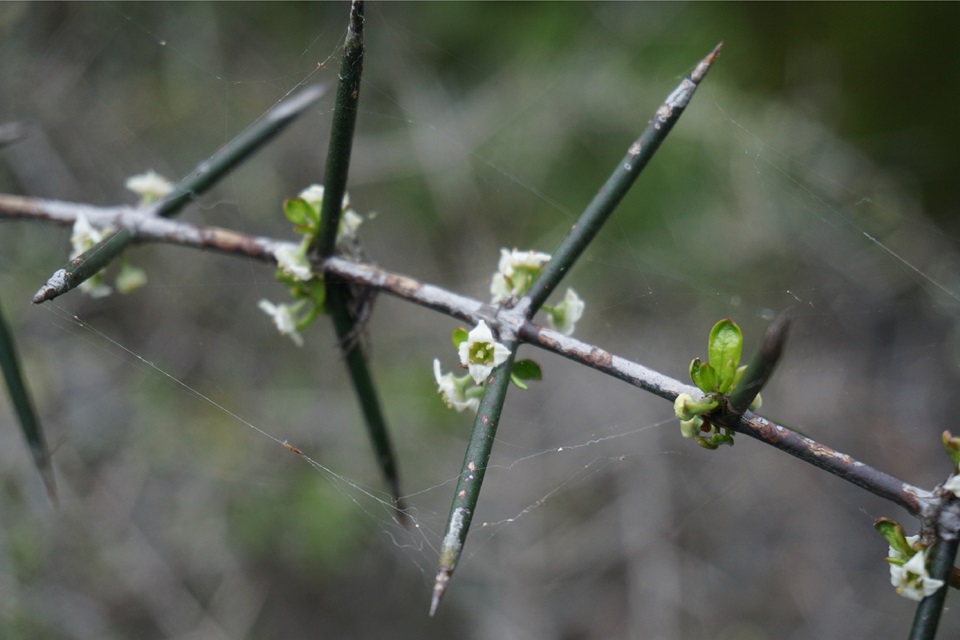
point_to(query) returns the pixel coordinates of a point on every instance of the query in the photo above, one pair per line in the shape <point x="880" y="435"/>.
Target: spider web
<point x="220" y="478"/>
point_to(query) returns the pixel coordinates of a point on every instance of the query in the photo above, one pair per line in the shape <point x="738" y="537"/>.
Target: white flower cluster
<point x="480" y="353"/>
<point x="909" y="575"/>
<point x="150" y="186"/>
<point x="350" y="221"/>
<point x="515" y="274"/>
<point x="293" y="262"/>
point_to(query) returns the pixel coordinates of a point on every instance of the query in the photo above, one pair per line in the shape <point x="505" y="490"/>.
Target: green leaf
<point x="318" y="292"/>
<point x="714" y="441"/>
<point x="703" y="375"/>
<point x="725" y="347"/>
<point x="893" y="532"/>
<point x="517" y="381"/>
<point x="526" y="370"/>
<point x="695" y="365"/>
<point x="708" y="378"/>
<point x="300" y="213"/>
<point x="459" y="335"/>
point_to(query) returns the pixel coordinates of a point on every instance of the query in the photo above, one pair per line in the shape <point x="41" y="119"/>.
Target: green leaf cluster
<point x="310" y="295"/>
<point x="715" y="378"/>
<point x="724" y="347"/>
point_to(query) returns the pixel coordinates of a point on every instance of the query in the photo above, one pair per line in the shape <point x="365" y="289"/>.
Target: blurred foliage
<point x="316" y="538"/>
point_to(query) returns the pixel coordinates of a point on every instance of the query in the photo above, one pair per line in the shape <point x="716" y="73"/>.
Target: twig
<point x="341" y="133"/>
<point x="204" y="176"/>
<point x="917" y="501"/>
<point x="572" y="246"/>
<point x="760" y="369"/>
<point x="338" y="294"/>
<point x="22" y="404"/>
<point x="362" y="380"/>
<point x="615" y="188"/>
<point x="471" y="474"/>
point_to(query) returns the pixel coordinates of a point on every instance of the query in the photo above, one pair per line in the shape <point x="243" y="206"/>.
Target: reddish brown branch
<point x="918" y="502"/>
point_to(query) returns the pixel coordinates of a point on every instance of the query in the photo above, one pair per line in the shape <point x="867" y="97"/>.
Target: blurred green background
<point x="482" y="126"/>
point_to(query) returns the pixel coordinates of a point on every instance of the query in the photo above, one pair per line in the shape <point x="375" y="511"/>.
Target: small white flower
<point x="84" y="235"/>
<point x="953" y="485"/>
<point x="499" y="288"/>
<point x="564" y="316"/>
<point x="911" y="579"/>
<point x="95" y="287"/>
<point x="314" y="197"/>
<point x="480" y="353"/>
<point x="282" y="315"/>
<point x="515" y="273"/>
<point x="150" y="186"/>
<point x="349" y="223"/>
<point x="130" y="278"/>
<point x="294" y="261"/>
<point x="516" y="260"/>
<point x="452" y="390"/>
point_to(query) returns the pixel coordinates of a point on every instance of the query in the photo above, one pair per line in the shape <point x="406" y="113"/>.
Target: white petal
<point x="479" y="372"/>
<point x="313" y="195"/>
<point x="917" y="564"/>
<point x="897" y="574"/>
<point x="464" y="351"/>
<point x="294" y="262"/>
<point x="510" y="261"/>
<point x="953" y="485"/>
<point x="349" y="224"/>
<point x="150" y="185"/>
<point x="931" y="586"/>
<point x="499" y="288"/>
<point x="84" y="235"/>
<point x="283" y="318"/>
<point x="452" y="392"/>
<point x="566" y="314"/>
<point x="480" y="333"/>
<point x="500" y="354"/>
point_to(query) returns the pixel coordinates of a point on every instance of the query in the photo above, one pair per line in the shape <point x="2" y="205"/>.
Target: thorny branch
<point x="918" y="502"/>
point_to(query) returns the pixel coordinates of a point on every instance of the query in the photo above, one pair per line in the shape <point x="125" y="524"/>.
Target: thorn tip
<point x="439" y="588"/>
